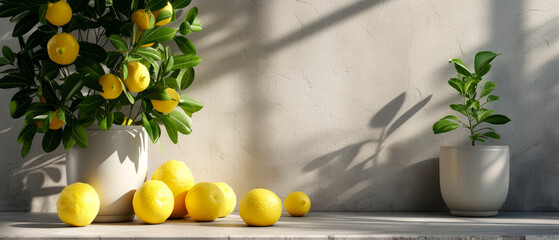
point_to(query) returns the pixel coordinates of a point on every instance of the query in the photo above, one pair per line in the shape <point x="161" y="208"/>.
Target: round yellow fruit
<point x="58" y="13"/>
<point x="138" y="77"/>
<point x="63" y="48"/>
<point x="297" y="204"/>
<point x="260" y="207"/>
<point x="168" y="105"/>
<point x="162" y="22"/>
<point x="153" y="202"/>
<point x="230" y="198"/>
<point x="112" y="87"/>
<point x="55" y="123"/>
<point x="141" y="18"/>
<point x="179" y="179"/>
<point x="205" y="202"/>
<point x="78" y="204"/>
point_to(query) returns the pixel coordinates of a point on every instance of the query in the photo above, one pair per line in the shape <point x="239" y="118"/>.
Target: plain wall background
<point x="337" y="99"/>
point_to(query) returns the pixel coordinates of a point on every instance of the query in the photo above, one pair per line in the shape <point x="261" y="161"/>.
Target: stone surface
<point x="337" y="99"/>
<point x="313" y="226"/>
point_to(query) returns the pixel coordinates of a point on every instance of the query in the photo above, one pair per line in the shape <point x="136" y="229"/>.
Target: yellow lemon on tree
<point x="230" y="198"/>
<point x="205" y="202"/>
<point x="138" y="77"/>
<point x="126" y="121"/>
<point x="138" y="38"/>
<point x="179" y="179"/>
<point x="164" y="21"/>
<point x="58" y="13"/>
<point x="167" y="106"/>
<point x="77" y="204"/>
<point x="153" y="202"/>
<point x="112" y="86"/>
<point x="260" y="207"/>
<point x="297" y="204"/>
<point x="63" y="48"/>
<point x="141" y="18"/>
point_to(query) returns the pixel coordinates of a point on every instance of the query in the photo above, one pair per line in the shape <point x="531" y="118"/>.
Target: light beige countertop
<point x="316" y="225"/>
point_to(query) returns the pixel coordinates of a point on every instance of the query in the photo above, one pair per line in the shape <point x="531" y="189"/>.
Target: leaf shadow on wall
<point x="352" y="181"/>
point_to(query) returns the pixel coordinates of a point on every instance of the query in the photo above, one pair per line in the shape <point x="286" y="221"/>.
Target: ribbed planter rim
<point x="470" y="148"/>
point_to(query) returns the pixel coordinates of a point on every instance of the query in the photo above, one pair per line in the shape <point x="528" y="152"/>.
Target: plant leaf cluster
<point x="473" y="105"/>
<point x="71" y="92"/>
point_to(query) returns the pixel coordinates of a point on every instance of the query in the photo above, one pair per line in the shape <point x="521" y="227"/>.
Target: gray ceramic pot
<point x="474" y="179"/>
<point x="115" y="164"/>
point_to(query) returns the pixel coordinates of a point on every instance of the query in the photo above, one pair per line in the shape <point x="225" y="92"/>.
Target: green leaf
<point x="472" y="104"/>
<point x="184" y="28"/>
<point x="492" y="98"/>
<point x="189" y="105"/>
<point x="80" y="135"/>
<point x="461" y="108"/>
<point x="488" y="87"/>
<point x="187" y="78"/>
<point x="27" y="132"/>
<point x="8" y="54"/>
<point x="156" y="130"/>
<point x="170" y="82"/>
<point x="107" y="121"/>
<point x="444" y="125"/>
<point x="67" y="138"/>
<point x="60" y="115"/>
<point x="118" y="118"/>
<point x="146" y="125"/>
<point x="483" y="113"/>
<point x="52" y="139"/>
<point x="168" y="65"/>
<point x="118" y="43"/>
<point x="497" y="119"/>
<point x="451" y="117"/>
<point x="471" y="84"/>
<point x="25" y="24"/>
<point x="26" y="66"/>
<point x="492" y="135"/>
<point x="93" y="51"/>
<point x="164" y="15"/>
<point x="185" y="45"/>
<point x="126" y="93"/>
<point x="191" y="15"/>
<point x="196" y="26"/>
<point x="178" y="4"/>
<point x="461" y="67"/>
<point x="483" y="71"/>
<point x="149" y="52"/>
<point x="182" y="121"/>
<point x="170" y="127"/>
<point x="11" y="81"/>
<point x="154" y="5"/>
<point x="482" y="59"/>
<point x="49" y="70"/>
<point x="18" y="106"/>
<point x="456" y="84"/>
<point x="72" y="85"/>
<point x="157" y="35"/>
<point x="92" y="102"/>
<point x="163" y="96"/>
<point x="9" y="10"/>
<point x="185" y="61"/>
<point x="89" y="68"/>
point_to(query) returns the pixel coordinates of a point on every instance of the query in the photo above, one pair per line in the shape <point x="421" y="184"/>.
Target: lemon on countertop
<point x="260" y="207"/>
<point x="153" y="202"/>
<point x="78" y="204"/>
<point x="230" y="198"/>
<point x="205" y="202"/>
<point x="297" y="204"/>
<point x="179" y="179"/>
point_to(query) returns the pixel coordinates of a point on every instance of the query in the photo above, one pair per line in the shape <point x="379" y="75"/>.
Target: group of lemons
<point x="63" y="49"/>
<point x="172" y="194"/>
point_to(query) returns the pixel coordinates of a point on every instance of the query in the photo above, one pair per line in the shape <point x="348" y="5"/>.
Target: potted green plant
<point x="99" y="78"/>
<point x="474" y="180"/>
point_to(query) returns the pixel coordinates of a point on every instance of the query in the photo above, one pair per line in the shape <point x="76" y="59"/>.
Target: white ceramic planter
<point x="474" y="179"/>
<point x="115" y="164"/>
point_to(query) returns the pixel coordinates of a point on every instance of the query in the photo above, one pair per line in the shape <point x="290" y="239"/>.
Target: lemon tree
<point x="72" y="57"/>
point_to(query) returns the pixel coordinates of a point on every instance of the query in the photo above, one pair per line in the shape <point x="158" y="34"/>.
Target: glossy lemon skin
<point x="168" y="105"/>
<point x="78" y="204"/>
<point x="141" y="18"/>
<point x="58" y="13"/>
<point x="63" y="48"/>
<point x="112" y="86"/>
<point x="230" y="198"/>
<point x="138" y="77"/>
<point x="153" y="202"/>
<point x="297" y="204"/>
<point x="178" y="177"/>
<point x="260" y="207"/>
<point x="205" y="202"/>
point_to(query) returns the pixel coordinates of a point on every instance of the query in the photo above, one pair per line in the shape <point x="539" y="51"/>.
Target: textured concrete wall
<point x="337" y="99"/>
